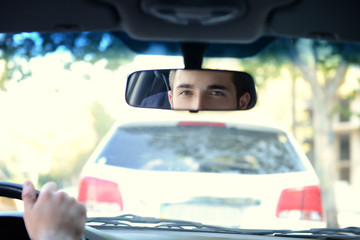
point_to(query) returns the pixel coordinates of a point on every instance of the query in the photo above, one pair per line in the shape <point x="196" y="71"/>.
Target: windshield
<point x="201" y="149"/>
<point x="290" y="162"/>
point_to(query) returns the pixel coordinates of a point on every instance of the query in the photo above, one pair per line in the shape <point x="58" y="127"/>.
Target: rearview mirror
<point x="194" y="90"/>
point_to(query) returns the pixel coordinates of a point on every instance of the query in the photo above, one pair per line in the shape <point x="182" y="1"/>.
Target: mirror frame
<point x="149" y="88"/>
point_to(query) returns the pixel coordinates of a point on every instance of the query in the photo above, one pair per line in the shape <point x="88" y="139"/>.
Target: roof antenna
<point x="193" y="54"/>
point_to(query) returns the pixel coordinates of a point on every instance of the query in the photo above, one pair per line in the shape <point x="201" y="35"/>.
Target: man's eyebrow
<point x="212" y="86"/>
<point x="185" y="85"/>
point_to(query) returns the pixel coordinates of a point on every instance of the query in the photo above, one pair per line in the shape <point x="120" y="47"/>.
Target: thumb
<point x="28" y="195"/>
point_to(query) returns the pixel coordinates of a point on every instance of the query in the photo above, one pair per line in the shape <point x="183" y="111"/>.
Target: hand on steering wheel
<point x="49" y="214"/>
<point x="53" y="214"/>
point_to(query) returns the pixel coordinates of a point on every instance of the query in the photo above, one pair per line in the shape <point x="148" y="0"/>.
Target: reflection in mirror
<point x="194" y="90"/>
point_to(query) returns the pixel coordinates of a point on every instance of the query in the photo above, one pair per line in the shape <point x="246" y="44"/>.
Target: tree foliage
<point x="17" y="50"/>
<point x="323" y="65"/>
<point x="44" y="129"/>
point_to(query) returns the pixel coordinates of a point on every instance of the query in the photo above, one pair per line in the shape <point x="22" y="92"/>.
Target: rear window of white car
<point x="201" y="149"/>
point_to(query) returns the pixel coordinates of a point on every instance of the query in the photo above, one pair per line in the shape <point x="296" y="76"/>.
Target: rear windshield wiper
<point x="130" y="220"/>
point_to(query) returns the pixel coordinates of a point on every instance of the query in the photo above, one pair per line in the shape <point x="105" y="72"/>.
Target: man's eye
<point x="216" y="93"/>
<point x="185" y="93"/>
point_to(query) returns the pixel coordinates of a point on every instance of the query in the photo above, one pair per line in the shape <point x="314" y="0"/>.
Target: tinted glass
<point x="201" y="149"/>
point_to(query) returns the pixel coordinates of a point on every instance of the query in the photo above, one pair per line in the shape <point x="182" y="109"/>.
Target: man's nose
<point x="199" y="103"/>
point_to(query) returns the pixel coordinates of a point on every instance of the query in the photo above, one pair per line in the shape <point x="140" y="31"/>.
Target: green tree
<point x="17" y="50"/>
<point x="324" y="66"/>
<point x="67" y="145"/>
<point x="102" y="120"/>
<point x="69" y="156"/>
<point x="325" y="71"/>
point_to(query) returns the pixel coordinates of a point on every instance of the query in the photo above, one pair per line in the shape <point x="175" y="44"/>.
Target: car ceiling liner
<point x="210" y="21"/>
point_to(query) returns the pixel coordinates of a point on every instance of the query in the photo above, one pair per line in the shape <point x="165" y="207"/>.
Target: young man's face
<point x="204" y="90"/>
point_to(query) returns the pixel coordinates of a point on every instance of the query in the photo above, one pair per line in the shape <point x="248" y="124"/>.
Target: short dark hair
<point x="172" y="77"/>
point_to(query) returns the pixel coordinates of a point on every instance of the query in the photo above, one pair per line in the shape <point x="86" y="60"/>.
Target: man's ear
<point x="170" y="98"/>
<point x="244" y="101"/>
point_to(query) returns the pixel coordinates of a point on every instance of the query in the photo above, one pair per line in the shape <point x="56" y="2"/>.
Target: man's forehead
<point x="208" y="73"/>
<point x="203" y="77"/>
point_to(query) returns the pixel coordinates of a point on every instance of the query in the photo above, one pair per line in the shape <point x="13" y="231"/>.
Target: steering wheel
<point x="11" y="190"/>
<point x="12" y="224"/>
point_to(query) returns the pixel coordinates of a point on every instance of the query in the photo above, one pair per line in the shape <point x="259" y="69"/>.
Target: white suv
<point x="227" y="172"/>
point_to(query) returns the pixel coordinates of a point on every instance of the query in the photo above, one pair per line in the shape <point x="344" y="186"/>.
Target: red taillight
<point x="190" y="123"/>
<point x="97" y="192"/>
<point x="301" y="203"/>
